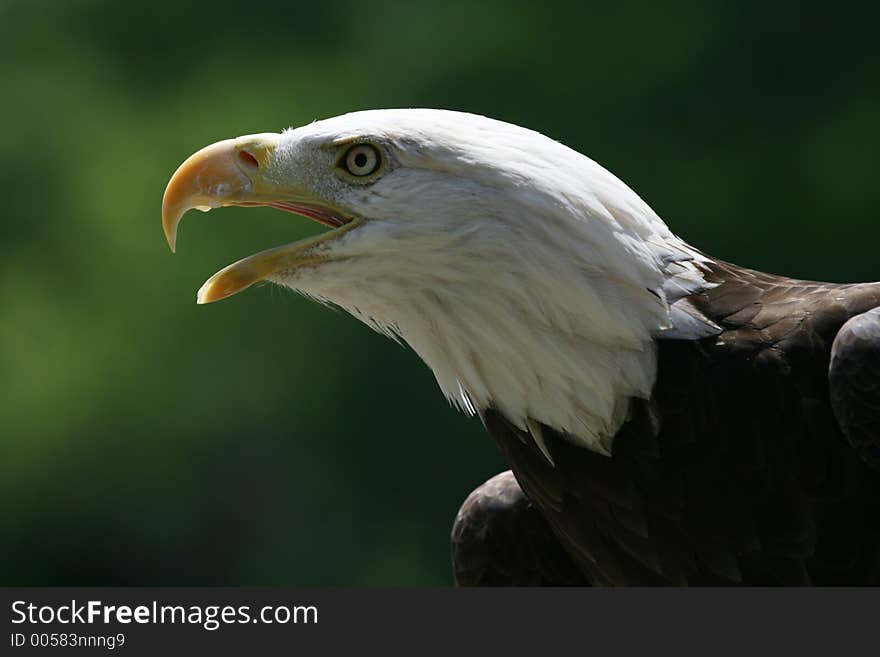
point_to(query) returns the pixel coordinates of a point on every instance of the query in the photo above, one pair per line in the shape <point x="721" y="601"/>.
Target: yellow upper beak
<point x="219" y="174"/>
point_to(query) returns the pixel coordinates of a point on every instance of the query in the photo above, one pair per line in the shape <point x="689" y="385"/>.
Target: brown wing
<point x="749" y="479"/>
<point x="854" y="380"/>
<point x="499" y="538"/>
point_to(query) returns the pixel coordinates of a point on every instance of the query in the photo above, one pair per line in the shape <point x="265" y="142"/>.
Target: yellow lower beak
<point x="247" y="271"/>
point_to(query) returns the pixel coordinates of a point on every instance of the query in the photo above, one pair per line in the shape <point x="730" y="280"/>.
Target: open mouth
<point x="240" y="275"/>
<point x="231" y="173"/>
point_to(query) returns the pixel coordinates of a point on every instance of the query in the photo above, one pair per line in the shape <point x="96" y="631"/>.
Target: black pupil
<point x="360" y="160"/>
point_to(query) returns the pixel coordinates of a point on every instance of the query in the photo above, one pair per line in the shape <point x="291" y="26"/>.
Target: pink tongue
<point x="312" y="213"/>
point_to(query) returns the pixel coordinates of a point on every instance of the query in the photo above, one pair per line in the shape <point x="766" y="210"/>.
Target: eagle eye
<point x="362" y="160"/>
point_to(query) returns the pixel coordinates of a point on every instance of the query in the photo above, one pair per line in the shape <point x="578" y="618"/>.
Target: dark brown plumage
<point x="501" y="538"/>
<point x="736" y="471"/>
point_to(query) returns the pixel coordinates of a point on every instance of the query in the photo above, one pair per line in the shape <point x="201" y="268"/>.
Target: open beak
<point x="231" y="172"/>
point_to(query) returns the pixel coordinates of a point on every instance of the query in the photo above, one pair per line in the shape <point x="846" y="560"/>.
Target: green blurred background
<point x="265" y="439"/>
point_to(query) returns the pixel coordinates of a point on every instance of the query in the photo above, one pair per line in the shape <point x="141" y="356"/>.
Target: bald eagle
<point x="669" y="418"/>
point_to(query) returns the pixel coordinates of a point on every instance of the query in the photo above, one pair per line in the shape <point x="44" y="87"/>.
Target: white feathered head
<point x="528" y="278"/>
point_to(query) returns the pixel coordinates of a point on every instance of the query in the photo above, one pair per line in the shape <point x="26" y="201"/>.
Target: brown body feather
<point x="747" y="477"/>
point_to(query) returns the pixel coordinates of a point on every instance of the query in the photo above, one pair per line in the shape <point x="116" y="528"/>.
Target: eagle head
<point x="530" y="280"/>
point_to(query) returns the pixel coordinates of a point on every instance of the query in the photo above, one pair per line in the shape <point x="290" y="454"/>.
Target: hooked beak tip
<point x="170" y="229"/>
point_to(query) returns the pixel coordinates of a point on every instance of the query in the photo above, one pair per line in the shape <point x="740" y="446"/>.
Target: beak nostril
<point x="248" y="160"/>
